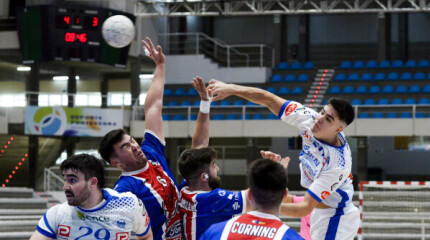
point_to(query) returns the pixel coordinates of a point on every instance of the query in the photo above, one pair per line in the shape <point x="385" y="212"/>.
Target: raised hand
<point x="199" y="85"/>
<point x="219" y="90"/>
<point x="276" y="157"/>
<point x="155" y="55"/>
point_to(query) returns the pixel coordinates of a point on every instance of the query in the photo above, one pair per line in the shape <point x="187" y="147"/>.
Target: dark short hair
<point x="106" y="144"/>
<point x="268" y="182"/>
<point x="192" y="162"/>
<point x="344" y="109"/>
<point x="87" y="164"/>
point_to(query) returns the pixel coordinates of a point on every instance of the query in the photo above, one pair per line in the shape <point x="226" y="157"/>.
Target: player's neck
<point x="95" y="199"/>
<point x="332" y="140"/>
<point x="274" y="212"/>
<point x="200" y="186"/>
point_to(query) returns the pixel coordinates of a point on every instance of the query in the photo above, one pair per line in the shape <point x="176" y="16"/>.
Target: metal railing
<point x="242" y="55"/>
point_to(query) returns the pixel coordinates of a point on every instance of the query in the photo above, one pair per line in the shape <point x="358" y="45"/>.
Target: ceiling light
<point x="60" y="78"/>
<point x="23" y="69"/>
<point x="146" y="76"/>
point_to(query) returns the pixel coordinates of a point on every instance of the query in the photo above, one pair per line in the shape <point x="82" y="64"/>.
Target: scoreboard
<point x="67" y="33"/>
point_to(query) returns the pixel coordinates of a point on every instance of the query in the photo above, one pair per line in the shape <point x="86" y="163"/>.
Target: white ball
<point x="118" y="31"/>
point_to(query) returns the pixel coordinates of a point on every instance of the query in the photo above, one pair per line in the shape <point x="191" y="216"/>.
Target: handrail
<point x="48" y="173"/>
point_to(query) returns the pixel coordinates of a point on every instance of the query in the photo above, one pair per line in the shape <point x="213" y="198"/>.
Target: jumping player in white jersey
<point x="268" y="186"/>
<point x="145" y="171"/>
<point x="325" y="159"/>
<point x="202" y="203"/>
<point x="92" y="212"/>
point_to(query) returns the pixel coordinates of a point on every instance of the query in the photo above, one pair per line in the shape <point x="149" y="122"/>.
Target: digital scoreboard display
<point x="67" y="33"/>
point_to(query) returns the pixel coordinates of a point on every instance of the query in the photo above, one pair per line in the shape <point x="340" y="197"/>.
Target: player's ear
<point x="286" y="193"/>
<point x="93" y="181"/>
<point x="114" y="161"/>
<point x="339" y="129"/>
<point x="204" y="177"/>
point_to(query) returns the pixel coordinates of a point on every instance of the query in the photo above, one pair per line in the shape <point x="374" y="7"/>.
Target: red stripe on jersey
<point x="249" y="227"/>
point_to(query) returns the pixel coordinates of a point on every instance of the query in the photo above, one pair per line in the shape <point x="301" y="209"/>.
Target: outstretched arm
<point x="221" y="90"/>
<point x="201" y="132"/>
<point x="38" y="236"/>
<point x="154" y="98"/>
<point x="300" y="209"/>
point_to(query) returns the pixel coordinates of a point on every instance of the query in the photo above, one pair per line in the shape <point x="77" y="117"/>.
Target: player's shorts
<point x="335" y="224"/>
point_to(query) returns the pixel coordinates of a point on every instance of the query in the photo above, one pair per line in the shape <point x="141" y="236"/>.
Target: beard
<point x="82" y="197"/>
<point x="214" y="182"/>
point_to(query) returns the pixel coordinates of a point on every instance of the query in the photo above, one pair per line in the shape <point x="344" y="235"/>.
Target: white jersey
<point x="325" y="169"/>
<point x="115" y="218"/>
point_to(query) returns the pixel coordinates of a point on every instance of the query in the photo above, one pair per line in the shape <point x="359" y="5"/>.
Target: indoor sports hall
<point x="67" y="79"/>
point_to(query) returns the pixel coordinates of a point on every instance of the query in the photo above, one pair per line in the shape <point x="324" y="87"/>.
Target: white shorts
<point x="333" y="224"/>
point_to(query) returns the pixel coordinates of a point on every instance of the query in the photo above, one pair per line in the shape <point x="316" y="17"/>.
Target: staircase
<point x="20" y="211"/>
<point x="319" y="87"/>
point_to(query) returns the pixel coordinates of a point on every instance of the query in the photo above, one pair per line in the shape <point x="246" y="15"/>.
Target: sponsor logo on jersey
<point x="221" y="193"/>
<point x="189" y="206"/>
<point x="121" y="223"/>
<point x="92" y="218"/>
<point x="258" y="222"/>
<point x="253" y="230"/>
<point x="324" y="195"/>
<point x="162" y="181"/>
<point x="174" y="232"/>
<point x="63" y="230"/>
<point x="122" y="236"/>
<point x="236" y="206"/>
<point x="333" y="187"/>
<point x="340" y="177"/>
<point x="230" y="196"/>
<point x="146" y="220"/>
<point x="290" y="108"/>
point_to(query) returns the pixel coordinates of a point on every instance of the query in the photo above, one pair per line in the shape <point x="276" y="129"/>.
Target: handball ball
<point x="118" y="31"/>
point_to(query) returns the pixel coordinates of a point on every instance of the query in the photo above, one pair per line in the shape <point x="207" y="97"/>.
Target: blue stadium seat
<point x="406" y="76"/>
<point x="348" y="90"/>
<point x="361" y="89"/>
<point x="420" y="115"/>
<point x="284" y="90"/>
<point x="276" y="78"/>
<point x="290" y="78"/>
<point x="379" y="76"/>
<point x="372" y="64"/>
<point x="393" y="76"/>
<point x="414" y="89"/>
<point x="258" y="116"/>
<point x="296" y="65"/>
<point x="308" y="65"/>
<point x="356" y="101"/>
<point x="391" y="115"/>
<point x="166" y="117"/>
<point x="405" y="115"/>
<point x="388" y="89"/>
<point x="218" y="117"/>
<point x="297" y="90"/>
<point x="247" y="117"/>
<point x="366" y="77"/>
<point x="369" y="101"/>
<point x="193" y="117"/>
<point x="401" y="89"/>
<point x="249" y="103"/>
<point x="423" y="63"/>
<point x="384" y="64"/>
<point x="419" y="76"/>
<point x="271" y="90"/>
<point x="192" y="92"/>
<point x="214" y="103"/>
<point x="334" y="90"/>
<point x="172" y="104"/>
<point x="180" y="92"/>
<point x="426" y="89"/>
<point x="282" y="66"/>
<point x="410" y="63"/>
<point x="423" y="101"/>
<point x="196" y="103"/>
<point x="238" y="103"/>
<point x="397" y="64"/>
<point x="178" y="117"/>
<point x="345" y="65"/>
<point x="383" y="101"/>
<point x="231" y="117"/>
<point x="410" y="101"/>
<point x="377" y="115"/>
<point x="224" y="103"/>
<point x="185" y="103"/>
<point x="374" y="89"/>
<point x="353" y="77"/>
<point x="364" y="115"/>
<point x="340" y="77"/>
<point x="272" y="117"/>
<point x="358" y="64"/>
<point x="168" y="92"/>
<point x="397" y="101"/>
<point x="303" y="78"/>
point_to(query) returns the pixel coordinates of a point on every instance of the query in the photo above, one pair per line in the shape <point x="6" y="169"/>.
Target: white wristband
<point x="205" y="106"/>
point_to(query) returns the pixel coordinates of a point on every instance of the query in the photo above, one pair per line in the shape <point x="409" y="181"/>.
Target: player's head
<point x="122" y="151"/>
<point x="83" y="174"/>
<point x="199" y="165"/>
<point x="267" y="182"/>
<point x="333" y="118"/>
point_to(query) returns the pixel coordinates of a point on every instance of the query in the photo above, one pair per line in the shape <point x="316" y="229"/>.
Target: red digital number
<point x="77" y="20"/>
<point x="82" y="37"/>
<point x="69" y="37"/>
<point x="67" y="19"/>
<point x="95" y="22"/>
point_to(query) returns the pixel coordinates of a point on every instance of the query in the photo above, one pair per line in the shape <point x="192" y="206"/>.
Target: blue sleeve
<point x="290" y="234"/>
<point x="223" y="203"/>
<point x="283" y="109"/>
<point x="128" y="184"/>
<point x="213" y="232"/>
<point x="183" y="184"/>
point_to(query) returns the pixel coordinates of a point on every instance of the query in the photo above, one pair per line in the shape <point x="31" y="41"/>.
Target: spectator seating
<point x="391" y="115"/>
<point x="282" y="66"/>
<point x="372" y="64"/>
<point x="290" y="78"/>
<point x="295" y="66"/>
<point x="284" y="90"/>
<point x="180" y="92"/>
<point x="168" y="92"/>
<point x="276" y="78"/>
